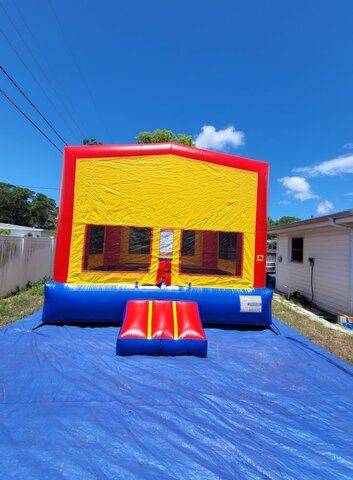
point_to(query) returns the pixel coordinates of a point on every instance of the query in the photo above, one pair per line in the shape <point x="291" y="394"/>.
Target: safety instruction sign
<point x="250" y="303"/>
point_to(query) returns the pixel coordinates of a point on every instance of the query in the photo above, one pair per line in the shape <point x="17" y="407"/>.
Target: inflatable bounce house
<point x="164" y="238"/>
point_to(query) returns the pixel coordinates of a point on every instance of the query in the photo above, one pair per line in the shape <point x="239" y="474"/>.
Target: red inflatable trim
<point x="64" y="230"/>
<point x="71" y="154"/>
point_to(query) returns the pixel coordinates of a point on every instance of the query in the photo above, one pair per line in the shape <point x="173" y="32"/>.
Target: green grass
<point x="337" y="342"/>
<point x="28" y="301"/>
<point x="21" y="304"/>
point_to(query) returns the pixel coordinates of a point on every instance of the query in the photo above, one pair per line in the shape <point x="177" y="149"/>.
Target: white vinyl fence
<point x="24" y="260"/>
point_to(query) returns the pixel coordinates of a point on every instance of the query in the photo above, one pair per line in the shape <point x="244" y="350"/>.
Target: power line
<point x="34" y="78"/>
<point x="36" y="188"/>
<point x="31" y="103"/>
<point x="59" y="92"/>
<point x="39" y="188"/>
<point x="31" y="121"/>
<point x="77" y="65"/>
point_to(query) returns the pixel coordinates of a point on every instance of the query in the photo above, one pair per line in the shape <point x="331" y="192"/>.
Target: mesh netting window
<point x="117" y="248"/>
<point x="211" y="253"/>
<point x="188" y="243"/>
<point x="139" y="240"/>
<point x="96" y="240"/>
<point x="227" y="245"/>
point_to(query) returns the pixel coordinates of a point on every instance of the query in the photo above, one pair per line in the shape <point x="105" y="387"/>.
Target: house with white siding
<point x="22" y="231"/>
<point x="315" y="258"/>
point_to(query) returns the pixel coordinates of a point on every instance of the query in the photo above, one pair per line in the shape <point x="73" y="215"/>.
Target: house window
<point x="297" y="249"/>
<point x="188" y="243"/>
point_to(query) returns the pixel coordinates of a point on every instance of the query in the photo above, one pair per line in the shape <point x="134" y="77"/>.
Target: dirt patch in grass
<point x="21" y="304"/>
<point x="336" y="342"/>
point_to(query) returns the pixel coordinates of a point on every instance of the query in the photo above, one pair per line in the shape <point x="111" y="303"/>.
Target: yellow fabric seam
<point x="175" y="320"/>
<point x="149" y="321"/>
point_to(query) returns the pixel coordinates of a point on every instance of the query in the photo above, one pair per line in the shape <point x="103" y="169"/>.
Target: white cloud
<point x="214" y="139"/>
<point x="336" y="166"/>
<point x="284" y="202"/>
<point x="348" y="146"/>
<point x="324" y="207"/>
<point x="298" y="187"/>
<point x="349" y="194"/>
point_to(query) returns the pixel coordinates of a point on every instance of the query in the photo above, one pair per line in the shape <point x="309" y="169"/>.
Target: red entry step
<point x="161" y="327"/>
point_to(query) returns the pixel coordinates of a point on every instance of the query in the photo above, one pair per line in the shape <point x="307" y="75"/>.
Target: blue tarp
<point x="261" y="406"/>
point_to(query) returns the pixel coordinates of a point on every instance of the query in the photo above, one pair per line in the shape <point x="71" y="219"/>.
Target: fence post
<point x="52" y="248"/>
<point x="22" y="264"/>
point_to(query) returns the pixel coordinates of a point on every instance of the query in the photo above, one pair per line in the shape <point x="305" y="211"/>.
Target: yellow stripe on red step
<point x="149" y="320"/>
<point x="175" y="320"/>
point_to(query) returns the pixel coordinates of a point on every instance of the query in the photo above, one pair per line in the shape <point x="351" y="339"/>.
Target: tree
<point x="15" y="204"/>
<point x="91" y="141"/>
<point x="21" y="206"/>
<point x="43" y="212"/>
<point x="162" y="136"/>
<point x="282" y="221"/>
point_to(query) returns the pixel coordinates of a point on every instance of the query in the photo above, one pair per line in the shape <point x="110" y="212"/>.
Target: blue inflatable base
<point x="261" y="406"/>
<point x="160" y="346"/>
<point x="68" y="303"/>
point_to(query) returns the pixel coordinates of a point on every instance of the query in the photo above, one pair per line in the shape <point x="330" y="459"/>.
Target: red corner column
<point x="64" y="230"/>
<point x="261" y="228"/>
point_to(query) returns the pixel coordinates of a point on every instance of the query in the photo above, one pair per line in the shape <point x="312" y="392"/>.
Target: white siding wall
<point x="24" y="260"/>
<point x="332" y="276"/>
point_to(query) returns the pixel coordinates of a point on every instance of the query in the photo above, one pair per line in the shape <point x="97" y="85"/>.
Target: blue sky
<point x="269" y="80"/>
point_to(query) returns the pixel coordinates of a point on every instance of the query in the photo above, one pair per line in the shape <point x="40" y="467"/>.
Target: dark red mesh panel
<point x="112" y="244"/>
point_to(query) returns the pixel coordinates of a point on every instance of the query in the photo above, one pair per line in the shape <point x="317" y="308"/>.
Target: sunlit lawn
<point x="21" y="304"/>
<point x="28" y="301"/>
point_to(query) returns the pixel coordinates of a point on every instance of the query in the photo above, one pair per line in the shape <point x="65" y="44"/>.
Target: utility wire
<point x="31" y="121"/>
<point x="77" y="65"/>
<point x="31" y="103"/>
<point x="35" y="60"/>
<point x="39" y="188"/>
<point x="74" y="115"/>
<point x="35" y="79"/>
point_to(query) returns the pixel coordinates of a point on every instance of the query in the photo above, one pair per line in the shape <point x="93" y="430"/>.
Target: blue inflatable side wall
<point x="106" y="303"/>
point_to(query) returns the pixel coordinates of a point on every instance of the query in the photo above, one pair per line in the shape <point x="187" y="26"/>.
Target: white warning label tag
<point x="249" y="303"/>
<point x="166" y="241"/>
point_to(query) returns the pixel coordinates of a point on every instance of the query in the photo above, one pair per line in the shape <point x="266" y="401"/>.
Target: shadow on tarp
<point x="242" y="328"/>
<point x="261" y="406"/>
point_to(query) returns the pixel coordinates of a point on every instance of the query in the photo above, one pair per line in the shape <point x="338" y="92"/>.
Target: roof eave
<point x="314" y="223"/>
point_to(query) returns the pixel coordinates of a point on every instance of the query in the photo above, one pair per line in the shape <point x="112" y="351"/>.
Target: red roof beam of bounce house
<point x="72" y="154"/>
